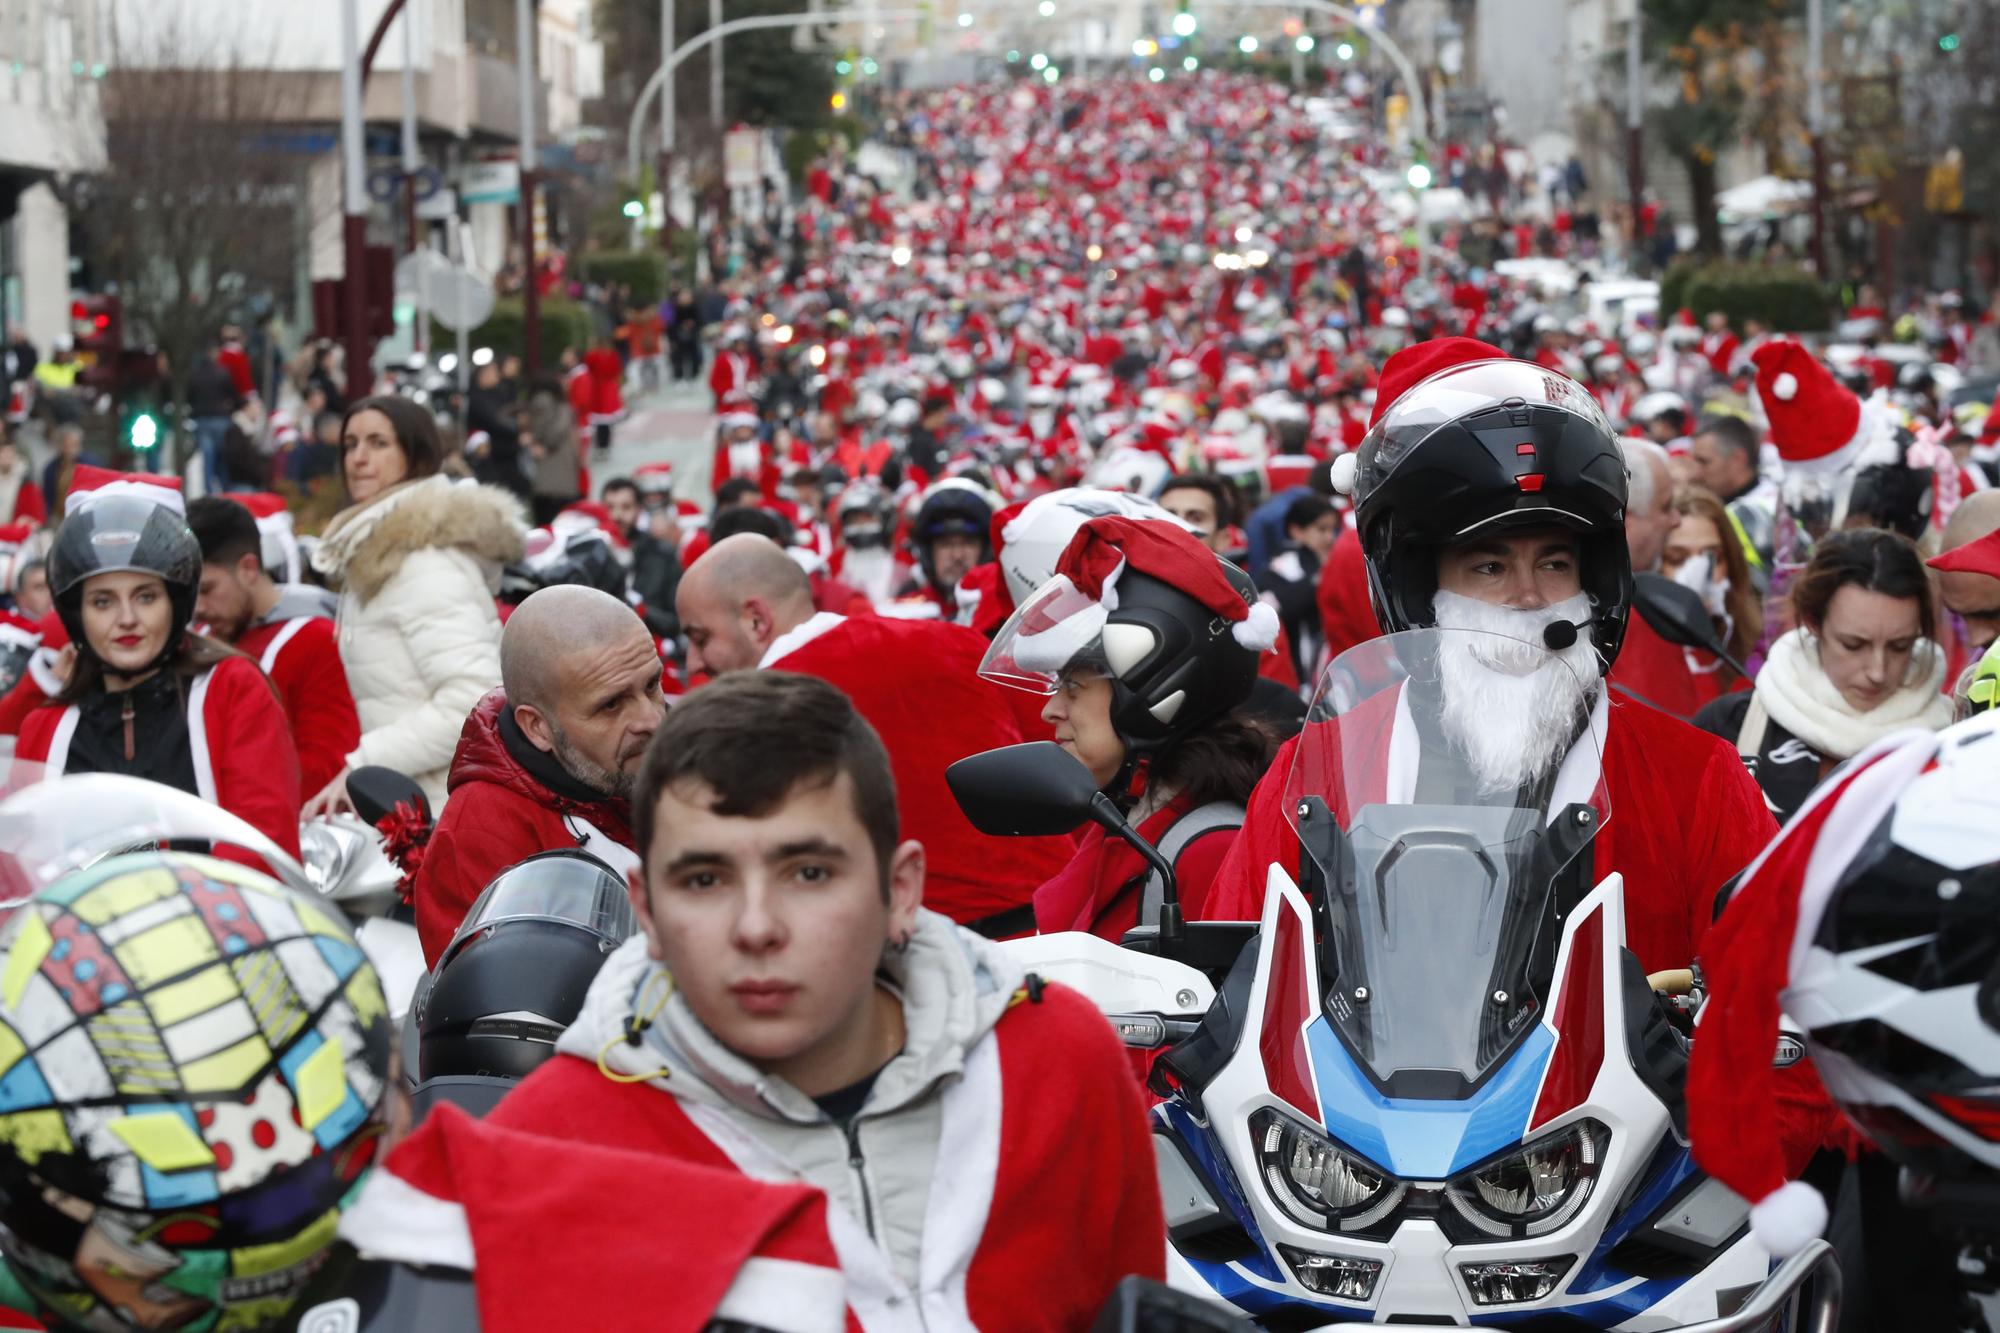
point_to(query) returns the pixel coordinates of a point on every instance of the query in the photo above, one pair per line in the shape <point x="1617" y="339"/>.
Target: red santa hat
<point x="654" y="478"/>
<point x="1403" y="372"/>
<point x="1975" y="557"/>
<point x="1101" y="551"/>
<point x="90" y="483"/>
<point x="274" y="526"/>
<point x="1816" y="420"/>
<point x="459" y="1193"/>
<point x="1748" y="959"/>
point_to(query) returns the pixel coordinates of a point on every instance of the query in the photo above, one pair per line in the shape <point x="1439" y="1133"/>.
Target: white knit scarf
<point x="1800" y="697"/>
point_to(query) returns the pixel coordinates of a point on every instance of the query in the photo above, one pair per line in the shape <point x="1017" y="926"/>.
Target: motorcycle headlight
<point x="327" y="851"/>
<point x="1534" y="1189"/>
<point x="1316" y="1183"/>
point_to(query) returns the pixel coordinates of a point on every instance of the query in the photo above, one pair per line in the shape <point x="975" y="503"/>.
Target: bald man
<point x="745" y="604"/>
<point x="1969" y="570"/>
<point x="547" y="761"/>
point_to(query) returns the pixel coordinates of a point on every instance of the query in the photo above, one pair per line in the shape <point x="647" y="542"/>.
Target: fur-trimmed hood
<point x="364" y="545"/>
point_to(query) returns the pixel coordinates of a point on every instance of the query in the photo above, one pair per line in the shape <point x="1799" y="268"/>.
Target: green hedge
<point x="564" y="324"/>
<point x="643" y="271"/>
<point x="1790" y="300"/>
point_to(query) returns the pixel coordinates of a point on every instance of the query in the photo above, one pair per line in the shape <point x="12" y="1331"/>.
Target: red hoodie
<point x="500" y="813"/>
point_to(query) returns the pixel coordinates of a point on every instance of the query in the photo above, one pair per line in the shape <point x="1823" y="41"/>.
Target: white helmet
<point x="1034" y="538"/>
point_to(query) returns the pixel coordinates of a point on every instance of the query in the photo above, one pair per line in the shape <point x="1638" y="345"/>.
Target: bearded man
<point x="547" y="761"/>
<point x="1490" y="499"/>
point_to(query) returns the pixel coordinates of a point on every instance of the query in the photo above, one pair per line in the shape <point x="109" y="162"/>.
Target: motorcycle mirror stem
<point x="1108" y="816"/>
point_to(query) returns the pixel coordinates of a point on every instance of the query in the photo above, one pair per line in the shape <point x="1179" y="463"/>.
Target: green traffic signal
<point x="1948" y="42"/>
<point x="145" y="432"/>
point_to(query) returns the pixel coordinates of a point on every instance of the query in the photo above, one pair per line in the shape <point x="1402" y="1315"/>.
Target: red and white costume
<point x="243" y="755"/>
<point x="301" y="655"/>
<point x="917" y="682"/>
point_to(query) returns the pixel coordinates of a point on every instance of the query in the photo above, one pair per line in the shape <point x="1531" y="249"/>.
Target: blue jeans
<point x="209" y="434"/>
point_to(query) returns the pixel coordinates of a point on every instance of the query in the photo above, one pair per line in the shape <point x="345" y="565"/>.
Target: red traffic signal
<point x="100" y="337"/>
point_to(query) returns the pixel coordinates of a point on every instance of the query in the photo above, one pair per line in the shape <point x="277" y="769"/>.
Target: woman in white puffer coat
<point x="417" y="559"/>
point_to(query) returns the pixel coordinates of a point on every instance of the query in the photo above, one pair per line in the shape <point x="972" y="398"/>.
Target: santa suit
<point x="917" y="682"/>
<point x="1686" y="816"/>
<point x="1720" y="349"/>
<point x="729" y="377"/>
<point x="1100" y="889"/>
<point x="499" y="813"/>
<point x="956" y="1199"/>
<point x="1655" y="672"/>
<point x="243" y="755"/>
<point x="301" y="655"/>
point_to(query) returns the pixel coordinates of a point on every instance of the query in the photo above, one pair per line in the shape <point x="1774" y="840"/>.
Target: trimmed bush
<point x="564" y="324"/>
<point x="644" y="272"/>
<point x="1790" y="300"/>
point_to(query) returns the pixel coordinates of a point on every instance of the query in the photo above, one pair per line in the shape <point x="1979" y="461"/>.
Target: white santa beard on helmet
<point x="1507" y="706"/>
<point x="870" y="571"/>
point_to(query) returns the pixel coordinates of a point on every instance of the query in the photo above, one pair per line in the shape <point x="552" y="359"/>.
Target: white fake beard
<point x="870" y="572"/>
<point x="1507" y="706"/>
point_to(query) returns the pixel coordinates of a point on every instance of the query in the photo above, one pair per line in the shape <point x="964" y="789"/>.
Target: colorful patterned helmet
<point x="192" y="1061"/>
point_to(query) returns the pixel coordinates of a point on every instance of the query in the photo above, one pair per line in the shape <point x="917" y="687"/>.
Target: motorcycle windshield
<point x="53" y="825"/>
<point x="574" y="889"/>
<point x="1444" y="786"/>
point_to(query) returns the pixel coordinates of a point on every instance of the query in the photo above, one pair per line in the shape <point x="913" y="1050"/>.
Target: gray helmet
<point x="124" y="532"/>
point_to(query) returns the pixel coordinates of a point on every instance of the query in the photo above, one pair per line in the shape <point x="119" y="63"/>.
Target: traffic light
<point x="1948" y="43"/>
<point x="143" y="434"/>
<point x="838" y="101"/>
<point x="635" y="209"/>
<point x="100" y="337"/>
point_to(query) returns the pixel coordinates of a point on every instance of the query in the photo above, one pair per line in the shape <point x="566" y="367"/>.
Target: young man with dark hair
<point x="288" y="629"/>
<point x="1205" y="503"/>
<point x="791" y="1012"/>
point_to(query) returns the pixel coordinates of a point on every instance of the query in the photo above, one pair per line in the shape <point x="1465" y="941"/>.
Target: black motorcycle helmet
<point x="1174" y="662"/>
<point x="125" y="532"/>
<point x="953" y="508"/>
<point x="514" y="975"/>
<point x="1482" y="447"/>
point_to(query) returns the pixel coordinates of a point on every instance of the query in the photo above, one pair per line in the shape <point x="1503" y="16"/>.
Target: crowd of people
<point x="1132" y="410"/>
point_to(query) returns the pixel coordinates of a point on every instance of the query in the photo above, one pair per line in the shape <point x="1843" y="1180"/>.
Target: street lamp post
<point x="531" y="291"/>
<point x="354" y="204"/>
<point x="1816" y="127"/>
<point x="1635" y="125"/>
<point x="666" y="134"/>
<point x="681" y="53"/>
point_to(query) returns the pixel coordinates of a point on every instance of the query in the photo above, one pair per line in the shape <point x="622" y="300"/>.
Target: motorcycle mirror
<point x="1678" y="616"/>
<point x="376" y="791"/>
<point x="1029" y="790"/>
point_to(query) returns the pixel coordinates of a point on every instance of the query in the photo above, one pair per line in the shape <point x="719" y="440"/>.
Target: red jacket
<point x="917" y="682"/>
<point x="1685" y="816"/>
<point x="301" y="655"/>
<point x="607" y="385"/>
<point x="1031" y="1265"/>
<point x="500" y="813"/>
<point x="243" y="755"/>
<point x="1099" y="890"/>
<point x="1656" y="671"/>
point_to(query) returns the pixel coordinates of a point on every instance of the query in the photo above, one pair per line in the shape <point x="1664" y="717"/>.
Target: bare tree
<point x="197" y="210"/>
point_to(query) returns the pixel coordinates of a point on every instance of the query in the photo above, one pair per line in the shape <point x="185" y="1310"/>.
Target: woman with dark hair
<point x="1701" y="553"/>
<point x="417" y="558"/>
<point x="143" y="695"/>
<point x="1147" y="644"/>
<point x="1862" y="663"/>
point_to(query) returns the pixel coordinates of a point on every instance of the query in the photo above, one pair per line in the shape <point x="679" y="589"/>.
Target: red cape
<point x="917" y="683"/>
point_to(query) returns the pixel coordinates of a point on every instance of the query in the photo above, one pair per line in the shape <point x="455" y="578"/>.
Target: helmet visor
<point x="575" y="889"/>
<point x="1056" y="631"/>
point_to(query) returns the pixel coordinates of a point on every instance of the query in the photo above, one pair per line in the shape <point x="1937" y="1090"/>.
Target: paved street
<point x="673" y="423"/>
